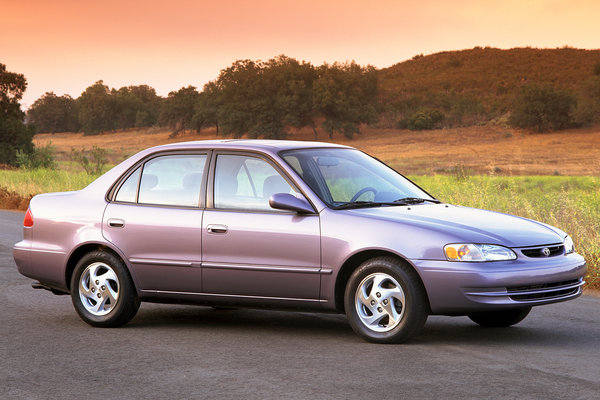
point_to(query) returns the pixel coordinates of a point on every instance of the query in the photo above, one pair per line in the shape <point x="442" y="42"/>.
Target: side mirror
<point x="285" y="201"/>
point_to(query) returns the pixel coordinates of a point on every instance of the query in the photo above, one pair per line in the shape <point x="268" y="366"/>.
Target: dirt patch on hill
<point x="13" y="201"/>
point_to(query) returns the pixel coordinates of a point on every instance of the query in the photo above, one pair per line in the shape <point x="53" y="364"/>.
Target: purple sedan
<point x="288" y="224"/>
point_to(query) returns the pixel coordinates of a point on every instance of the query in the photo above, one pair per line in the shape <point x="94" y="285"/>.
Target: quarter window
<point x="128" y="191"/>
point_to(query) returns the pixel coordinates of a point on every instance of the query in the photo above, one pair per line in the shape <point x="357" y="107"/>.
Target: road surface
<point x="186" y="352"/>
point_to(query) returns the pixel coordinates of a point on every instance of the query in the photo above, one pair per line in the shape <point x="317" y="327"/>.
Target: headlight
<point x="569" y="246"/>
<point x="478" y="252"/>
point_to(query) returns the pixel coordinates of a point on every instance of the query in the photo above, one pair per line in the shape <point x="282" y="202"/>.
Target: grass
<point x="569" y="203"/>
<point x="26" y="183"/>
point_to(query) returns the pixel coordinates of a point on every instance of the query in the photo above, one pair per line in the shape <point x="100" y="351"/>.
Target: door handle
<point x="116" y="223"/>
<point x="215" y="228"/>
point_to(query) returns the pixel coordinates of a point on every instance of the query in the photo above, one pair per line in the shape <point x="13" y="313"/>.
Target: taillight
<point x="28" y="221"/>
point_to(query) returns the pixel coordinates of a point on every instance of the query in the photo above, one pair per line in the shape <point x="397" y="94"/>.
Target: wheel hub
<point x="380" y="302"/>
<point x="99" y="289"/>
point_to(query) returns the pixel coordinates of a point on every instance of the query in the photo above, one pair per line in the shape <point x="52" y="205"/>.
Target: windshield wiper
<point x="358" y="204"/>
<point x="400" y="202"/>
<point x="415" y="200"/>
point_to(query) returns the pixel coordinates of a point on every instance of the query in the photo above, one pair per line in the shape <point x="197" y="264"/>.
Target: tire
<point x="223" y="308"/>
<point x="500" y="319"/>
<point x="102" y="291"/>
<point x="385" y="301"/>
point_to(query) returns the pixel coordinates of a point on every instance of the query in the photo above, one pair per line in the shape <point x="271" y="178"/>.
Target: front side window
<point x="173" y="180"/>
<point x="247" y="183"/>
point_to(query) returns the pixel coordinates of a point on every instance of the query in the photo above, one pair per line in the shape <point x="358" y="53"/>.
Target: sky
<point x="65" y="46"/>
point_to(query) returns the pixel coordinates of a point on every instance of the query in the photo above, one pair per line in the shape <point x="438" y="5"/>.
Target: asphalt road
<point x="185" y="352"/>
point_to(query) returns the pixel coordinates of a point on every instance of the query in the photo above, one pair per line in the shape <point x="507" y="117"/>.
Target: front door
<point x="250" y="249"/>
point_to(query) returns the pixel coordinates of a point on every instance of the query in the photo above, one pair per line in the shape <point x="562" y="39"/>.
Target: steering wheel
<point x="363" y="191"/>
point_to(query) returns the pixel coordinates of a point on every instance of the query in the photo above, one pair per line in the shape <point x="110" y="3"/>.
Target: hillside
<point x="481" y="80"/>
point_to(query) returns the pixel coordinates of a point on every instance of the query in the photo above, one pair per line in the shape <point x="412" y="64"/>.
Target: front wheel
<point x="385" y="301"/>
<point x="102" y="291"/>
<point x="500" y="319"/>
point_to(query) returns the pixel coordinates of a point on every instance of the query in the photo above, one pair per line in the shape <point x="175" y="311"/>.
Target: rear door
<point x="155" y="219"/>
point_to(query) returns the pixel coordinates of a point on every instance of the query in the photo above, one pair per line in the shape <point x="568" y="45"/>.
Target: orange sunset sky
<point x="66" y="45"/>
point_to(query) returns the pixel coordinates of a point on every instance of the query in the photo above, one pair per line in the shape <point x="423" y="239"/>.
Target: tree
<point x="151" y="102"/>
<point x="126" y="106"/>
<point x="14" y="134"/>
<point x="543" y="108"/>
<point x="97" y="109"/>
<point x="136" y="106"/>
<point x="265" y="98"/>
<point x="207" y="108"/>
<point x="345" y="95"/>
<point x="290" y="85"/>
<point x="178" y="109"/>
<point x="50" y="114"/>
<point x="237" y="91"/>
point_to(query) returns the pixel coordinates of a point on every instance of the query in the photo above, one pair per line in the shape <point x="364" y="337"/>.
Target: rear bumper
<point x="46" y="265"/>
<point x="456" y="288"/>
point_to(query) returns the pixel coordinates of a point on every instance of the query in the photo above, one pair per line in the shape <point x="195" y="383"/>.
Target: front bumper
<point x="456" y="288"/>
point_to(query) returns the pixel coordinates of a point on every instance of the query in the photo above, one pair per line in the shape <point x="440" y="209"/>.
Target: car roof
<point x="247" y="144"/>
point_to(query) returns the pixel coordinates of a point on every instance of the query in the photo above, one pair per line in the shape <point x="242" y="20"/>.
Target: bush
<point x="422" y="120"/>
<point x="41" y="157"/>
<point x="93" y="162"/>
<point x="543" y="108"/>
<point x="588" y="104"/>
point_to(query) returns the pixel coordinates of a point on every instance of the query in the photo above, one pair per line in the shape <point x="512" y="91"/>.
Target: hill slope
<point x="482" y="80"/>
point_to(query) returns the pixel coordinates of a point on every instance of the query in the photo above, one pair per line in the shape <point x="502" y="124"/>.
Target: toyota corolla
<point x="284" y="224"/>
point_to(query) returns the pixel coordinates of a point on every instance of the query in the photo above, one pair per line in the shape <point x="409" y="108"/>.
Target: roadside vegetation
<point x="27" y="183"/>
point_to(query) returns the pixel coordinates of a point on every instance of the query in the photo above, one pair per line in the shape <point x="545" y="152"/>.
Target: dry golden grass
<point x="483" y="150"/>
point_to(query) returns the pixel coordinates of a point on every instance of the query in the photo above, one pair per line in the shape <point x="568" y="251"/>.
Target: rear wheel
<point x="385" y="301"/>
<point x="102" y="291"/>
<point x="499" y="319"/>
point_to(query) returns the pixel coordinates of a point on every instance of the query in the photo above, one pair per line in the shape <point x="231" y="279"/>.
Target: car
<point x="289" y="225"/>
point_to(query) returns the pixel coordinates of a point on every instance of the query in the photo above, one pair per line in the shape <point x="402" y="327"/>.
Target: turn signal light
<point x="28" y="221"/>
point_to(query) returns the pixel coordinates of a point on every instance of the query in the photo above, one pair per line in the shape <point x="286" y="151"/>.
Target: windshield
<point x="348" y="176"/>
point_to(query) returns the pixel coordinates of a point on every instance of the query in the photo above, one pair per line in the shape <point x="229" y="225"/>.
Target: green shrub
<point x="543" y="108"/>
<point x="92" y="161"/>
<point x="40" y="157"/>
<point x="424" y="119"/>
<point x="588" y="104"/>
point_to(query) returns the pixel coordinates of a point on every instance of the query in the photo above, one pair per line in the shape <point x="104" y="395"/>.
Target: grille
<point x="544" y="290"/>
<point x="539" y="251"/>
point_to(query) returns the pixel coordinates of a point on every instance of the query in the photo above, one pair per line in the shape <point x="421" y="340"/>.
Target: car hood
<point x="469" y="225"/>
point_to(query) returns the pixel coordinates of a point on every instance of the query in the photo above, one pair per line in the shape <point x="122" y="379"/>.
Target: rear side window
<point x="173" y="180"/>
